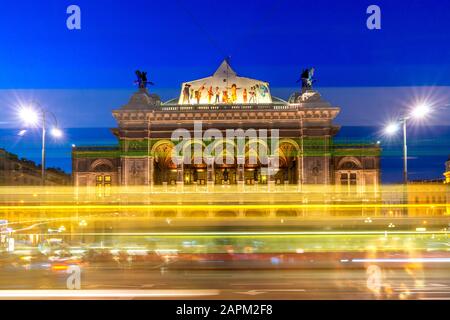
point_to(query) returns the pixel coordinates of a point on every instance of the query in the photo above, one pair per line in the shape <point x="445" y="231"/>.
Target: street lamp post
<point x="32" y="117"/>
<point x="43" y="149"/>
<point x="405" y="153"/>
<point x="417" y="113"/>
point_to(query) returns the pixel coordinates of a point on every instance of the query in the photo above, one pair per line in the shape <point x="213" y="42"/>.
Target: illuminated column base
<point x="271" y="173"/>
<point x="240" y="186"/>
<point x="299" y="174"/>
<point x="150" y="180"/>
<point x="180" y="172"/>
<point x="210" y="186"/>
<point x="210" y="174"/>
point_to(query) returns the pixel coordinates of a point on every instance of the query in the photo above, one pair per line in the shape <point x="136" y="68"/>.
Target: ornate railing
<point x="265" y="106"/>
<point x="96" y="148"/>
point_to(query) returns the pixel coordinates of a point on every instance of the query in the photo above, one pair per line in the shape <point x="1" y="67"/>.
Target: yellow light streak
<point x="217" y="206"/>
<point x="253" y="233"/>
<point x="86" y="294"/>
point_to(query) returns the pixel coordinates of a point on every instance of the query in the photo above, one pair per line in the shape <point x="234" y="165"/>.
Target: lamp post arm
<point x="54" y="118"/>
<point x="405" y="153"/>
<point x="44" y="112"/>
<point x="43" y="149"/>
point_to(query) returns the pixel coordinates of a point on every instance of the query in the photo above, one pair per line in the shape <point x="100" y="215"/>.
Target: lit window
<point x="349" y="179"/>
<point x="353" y="179"/>
<point x="344" y="178"/>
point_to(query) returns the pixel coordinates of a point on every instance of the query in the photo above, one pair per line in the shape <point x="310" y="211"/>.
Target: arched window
<point x="103" y="168"/>
<point x="349" y="165"/>
<point x="103" y="180"/>
<point x="349" y="168"/>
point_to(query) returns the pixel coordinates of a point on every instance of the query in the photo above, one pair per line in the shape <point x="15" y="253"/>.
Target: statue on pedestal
<point x="142" y="80"/>
<point x="307" y="79"/>
<point x="142" y="99"/>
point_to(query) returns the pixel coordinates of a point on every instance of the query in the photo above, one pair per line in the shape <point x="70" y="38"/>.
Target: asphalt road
<point x="161" y="282"/>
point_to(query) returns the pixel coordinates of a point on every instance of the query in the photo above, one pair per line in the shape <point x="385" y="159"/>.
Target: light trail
<point x="37" y="221"/>
<point x="24" y="229"/>
<point x="406" y="260"/>
<point x="118" y="294"/>
<point x="262" y="206"/>
<point x="256" y="233"/>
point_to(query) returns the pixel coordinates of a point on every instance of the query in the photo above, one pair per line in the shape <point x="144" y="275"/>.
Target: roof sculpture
<point x="225" y="87"/>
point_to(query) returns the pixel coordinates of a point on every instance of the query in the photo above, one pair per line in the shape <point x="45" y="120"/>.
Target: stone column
<point x="360" y="181"/>
<point x="151" y="163"/>
<point x="326" y="162"/>
<point x="326" y="167"/>
<point x="270" y="172"/>
<point x="180" y="172"/>
<point x="210" y="171"/>
<point x="299" y="171"/>
<point x="124" y="171"/>
<point x="240" y="175"/>
<point x="119" y="175"/>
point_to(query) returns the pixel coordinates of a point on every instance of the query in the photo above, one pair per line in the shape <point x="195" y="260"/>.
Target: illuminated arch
<point x="101" y="165"/>
<point x="258" y="142"/>
<point x="223" y="153"/>
<point x="191" y="144"/>
<point x="354" y="162"/>
<point x="162" y="151"/>
<point x="290" y="141"/>
<point x="159" y="144"/>
<point x="222" y="141"/>
<point x="253" y="147"/>
<point x="287" y="150"/>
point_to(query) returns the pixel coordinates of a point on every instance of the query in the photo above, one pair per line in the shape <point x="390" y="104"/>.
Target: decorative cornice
<point x="181" y="113"/>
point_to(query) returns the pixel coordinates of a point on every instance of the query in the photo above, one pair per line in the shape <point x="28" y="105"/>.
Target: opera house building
<point x="305" y="149"/>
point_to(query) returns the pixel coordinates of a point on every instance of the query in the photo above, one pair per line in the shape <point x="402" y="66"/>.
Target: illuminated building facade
<point x="447" y="181"/>
<point x="306" y="151"/>
<point x="23" y="172"/>
<point x="447" y="171"/>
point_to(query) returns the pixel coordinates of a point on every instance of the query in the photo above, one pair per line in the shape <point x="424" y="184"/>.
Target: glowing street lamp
<point x="57" y="133"/>
<point x="29" y="116"/>
<point x="392" y="128"/>
<point x="36" y="116"/>
<point x="419" y="112"/>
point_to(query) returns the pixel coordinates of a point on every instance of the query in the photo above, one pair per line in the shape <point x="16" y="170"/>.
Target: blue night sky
<point x="179" y="40"/>
<point x="81" y="75"/>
